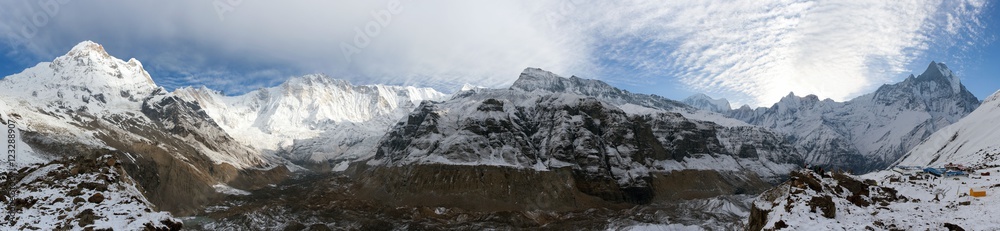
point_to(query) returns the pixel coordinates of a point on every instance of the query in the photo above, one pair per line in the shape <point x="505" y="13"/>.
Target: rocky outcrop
<point x="810" y="199"/>
<point x="75" y="192"/>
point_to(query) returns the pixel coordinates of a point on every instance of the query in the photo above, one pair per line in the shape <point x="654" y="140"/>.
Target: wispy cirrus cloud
<point x="751" y="52"/>
<point x="757" y="51"/>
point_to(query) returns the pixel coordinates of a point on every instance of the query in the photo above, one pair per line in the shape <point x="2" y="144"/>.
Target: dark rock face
<point x="825" y="205"/>
<point x="507" y="150"/>
<point x="758" y="219"/>
<point x="554" y="130"/>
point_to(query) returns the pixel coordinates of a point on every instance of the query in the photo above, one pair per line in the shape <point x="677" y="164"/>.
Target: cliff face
<point x="549" y="152"/>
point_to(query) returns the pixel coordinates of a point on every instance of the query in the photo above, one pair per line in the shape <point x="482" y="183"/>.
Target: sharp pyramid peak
<point x="936" y="70"/>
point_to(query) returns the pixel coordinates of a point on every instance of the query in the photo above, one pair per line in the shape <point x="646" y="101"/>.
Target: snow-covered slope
<point x="313" y="117"/>
<point x="873" y="130"/>
<point x="884" y="200"/>
<point x="704" y="102"/>
<point x="973" y="140"/>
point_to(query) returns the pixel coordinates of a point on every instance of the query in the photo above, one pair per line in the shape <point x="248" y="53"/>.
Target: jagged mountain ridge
<point x="873" y="130"/>
<point x="535" y="79"/>
<point x="550" y="130"/>
<point x="313" y="117"/>
<point x="525" y="128"/>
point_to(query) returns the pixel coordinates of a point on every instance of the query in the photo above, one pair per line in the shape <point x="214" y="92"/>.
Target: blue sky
<point x="751" y="52"/>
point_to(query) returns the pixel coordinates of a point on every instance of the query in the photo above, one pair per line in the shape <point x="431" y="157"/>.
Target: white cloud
<point x="750" y="51"/>
<point x="431" y="43"/>
<point x="759" y="51"/>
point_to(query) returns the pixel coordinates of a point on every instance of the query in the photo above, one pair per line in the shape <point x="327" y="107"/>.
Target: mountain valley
<point x="100" y="145"/>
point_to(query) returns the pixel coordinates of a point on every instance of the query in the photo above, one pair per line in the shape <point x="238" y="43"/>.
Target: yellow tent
<point x="977" y="192"/>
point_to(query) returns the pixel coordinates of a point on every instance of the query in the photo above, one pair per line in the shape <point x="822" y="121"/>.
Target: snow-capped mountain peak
<point x="532" y="78"/>
<point x="88" y="56"/>
<point x="940" y="71"/>
<point x="86" y="75"/>
<point x="706" y="102"/>
<point x="469" y="87"/>
<point x="87" y="48"/>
